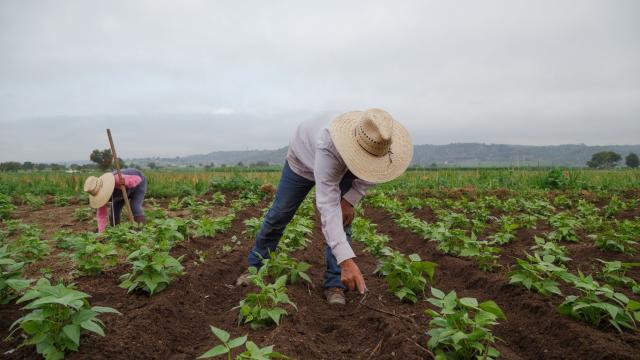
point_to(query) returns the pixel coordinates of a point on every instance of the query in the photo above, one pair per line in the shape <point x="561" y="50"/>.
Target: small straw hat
<point x="99" y="189"/>
<point x="375" y="147"/>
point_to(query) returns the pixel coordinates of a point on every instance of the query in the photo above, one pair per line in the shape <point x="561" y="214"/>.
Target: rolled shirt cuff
<point x="343" y="252"/>
<point x="352" y="196"/>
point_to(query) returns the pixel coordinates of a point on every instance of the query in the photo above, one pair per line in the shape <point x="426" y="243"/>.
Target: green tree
<point x="604" y="160"/>
<point x="632" y="160"/>
<point x="10" y="166"/>
<point x="102" y="157"/>
<point x="27" y="165"/>
<point x="152" y="165"/>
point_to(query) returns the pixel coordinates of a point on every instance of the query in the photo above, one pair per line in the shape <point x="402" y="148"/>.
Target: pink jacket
<point x="130" y="181"/>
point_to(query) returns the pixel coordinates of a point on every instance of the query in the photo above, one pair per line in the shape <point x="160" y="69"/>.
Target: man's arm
<point x="358" y="190"/>
<point x="327" y="177"/>
<point x="328" y="172"/>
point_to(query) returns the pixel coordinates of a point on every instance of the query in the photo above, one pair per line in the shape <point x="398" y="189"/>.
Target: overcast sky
<point x="184" y="77"/>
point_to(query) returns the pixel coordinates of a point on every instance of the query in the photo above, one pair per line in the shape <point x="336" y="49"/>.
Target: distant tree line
<point x="31" y="166"/>
<point x="610" y="159"/>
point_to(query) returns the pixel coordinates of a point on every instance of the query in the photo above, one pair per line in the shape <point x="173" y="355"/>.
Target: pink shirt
<point x="130" y="181"/>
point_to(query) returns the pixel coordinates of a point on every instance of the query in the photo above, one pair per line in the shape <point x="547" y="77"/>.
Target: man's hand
<point x="347" y="212"/>
<point x="351" y="276"/>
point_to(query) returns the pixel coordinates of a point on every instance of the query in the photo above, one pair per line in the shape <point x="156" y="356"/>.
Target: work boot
<point x="140" y="219"/>
<point x="243" y="280"/>
<point x="335" y="296"/>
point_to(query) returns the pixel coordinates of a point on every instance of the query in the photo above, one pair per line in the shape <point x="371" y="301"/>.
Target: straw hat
<point x="99" y="189"/>
<point x="375" y="147"/>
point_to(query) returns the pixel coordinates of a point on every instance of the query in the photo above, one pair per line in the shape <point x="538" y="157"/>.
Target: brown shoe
<point x="243" y="280"/>
<point x="335" y="296"/>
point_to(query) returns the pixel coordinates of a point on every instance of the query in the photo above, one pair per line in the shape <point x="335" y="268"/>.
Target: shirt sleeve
<point x="130" y="181"/>
<point x="328" y="171"/>
<point x="358" y="190"/>
<point x="101" y="218"/>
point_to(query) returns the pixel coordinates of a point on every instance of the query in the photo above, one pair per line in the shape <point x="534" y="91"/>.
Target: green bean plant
<point x="90" y="255"/>
<point x="601" y="306"/>
<point x="6" y="207"/>
<point x="615" y="273"/>
<point x="252" y="351"/>
<point x="564" y="227"/>
<point x="264" y="307"/>
<point x="59" y="316"/>
<point x="405" y="275"/>
<point x="210" y="227"/>
<point x="35" y="202"/>
<point x="543" y="248"/>
<point x="153" y="269"/>
<point x="11" y="281"/>
<point x="83" y="213"/>
<point x="461" y="328"/>
<point x="281" y="263"/>
<point x="296" y="234"/>
<point x="622" y="237"/>
<point x="540" y="273"/>
<point x="365" y="232"/>
<point x="252" y="226"/>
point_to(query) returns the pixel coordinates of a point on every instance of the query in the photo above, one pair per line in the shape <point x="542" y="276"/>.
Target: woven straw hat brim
<point x="105" y="192"/>
<point x="366" y="166"/>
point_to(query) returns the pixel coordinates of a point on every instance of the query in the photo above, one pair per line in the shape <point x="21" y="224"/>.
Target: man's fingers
<point x="348" y="282"/>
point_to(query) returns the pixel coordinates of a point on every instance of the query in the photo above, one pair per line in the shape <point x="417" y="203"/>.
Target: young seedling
<point x="601" y="306"/>
<point x="253" y="351"/>
<point x="82" y="214"/>
<point x="540" y="273"/>
<point x="615" y="273"/>
<point x="90" y="255"/>
<point x="6" y="207"/>
<point x="461" y="328"/>
<point x="405" y="275"/>
<point x="544" y="248"/>
<point x="59" y="316"/>
<point x="564" y="226"/>
<point x="262" y="308"/>
<point x="281" y="264"/>
<point x="11" y="281"/>
<point x="153" y="270"/>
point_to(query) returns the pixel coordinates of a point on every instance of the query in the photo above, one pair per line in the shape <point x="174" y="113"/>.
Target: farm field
<point x="544" y="265"/>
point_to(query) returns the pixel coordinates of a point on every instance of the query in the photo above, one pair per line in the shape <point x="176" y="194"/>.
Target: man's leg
<point x="333" y="272"/>
<point x="292" y="190"/>
<point x="137" y="201"/>
<point x="114" y="215"/>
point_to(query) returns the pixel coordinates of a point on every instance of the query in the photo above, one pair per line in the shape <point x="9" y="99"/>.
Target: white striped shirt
<point x="313" y="156"/>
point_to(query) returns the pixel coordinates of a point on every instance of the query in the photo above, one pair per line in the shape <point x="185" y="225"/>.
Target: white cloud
<point x="535" y="72"/>
<point x="223" y="111"/>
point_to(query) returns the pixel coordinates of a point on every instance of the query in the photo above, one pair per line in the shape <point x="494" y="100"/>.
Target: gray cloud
<point x="195" y="76"/>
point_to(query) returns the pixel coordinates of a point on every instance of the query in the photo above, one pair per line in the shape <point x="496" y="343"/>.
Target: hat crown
<point x="93" y="185"/>
<point x="374" y="132"/>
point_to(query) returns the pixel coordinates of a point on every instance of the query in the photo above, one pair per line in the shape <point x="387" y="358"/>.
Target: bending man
<point x="342" y="159"/>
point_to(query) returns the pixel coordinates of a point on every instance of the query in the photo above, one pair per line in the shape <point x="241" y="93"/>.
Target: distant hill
<point x="453" y="155"/>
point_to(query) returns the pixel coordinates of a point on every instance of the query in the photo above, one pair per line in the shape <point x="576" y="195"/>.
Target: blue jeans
<point x="292" y="190"/>
<point x="136" y="198"/>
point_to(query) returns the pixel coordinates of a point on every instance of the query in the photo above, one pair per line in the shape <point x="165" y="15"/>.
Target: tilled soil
<point x="174" y="324"/>
<point x="534" y="329"/>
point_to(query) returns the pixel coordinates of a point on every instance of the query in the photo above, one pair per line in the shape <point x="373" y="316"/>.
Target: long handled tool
<point x="116" y="162"/>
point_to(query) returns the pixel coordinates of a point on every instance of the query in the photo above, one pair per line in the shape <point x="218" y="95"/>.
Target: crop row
<point x="60" y="313"/>
<point x="600" y="305"/>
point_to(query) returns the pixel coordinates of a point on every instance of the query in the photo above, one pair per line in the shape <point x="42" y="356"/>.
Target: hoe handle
<point x="116" y="162"/>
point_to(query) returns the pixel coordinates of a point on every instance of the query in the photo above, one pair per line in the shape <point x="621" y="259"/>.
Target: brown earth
<point x="174" y="324"/>
<point x="533" y="329"/>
